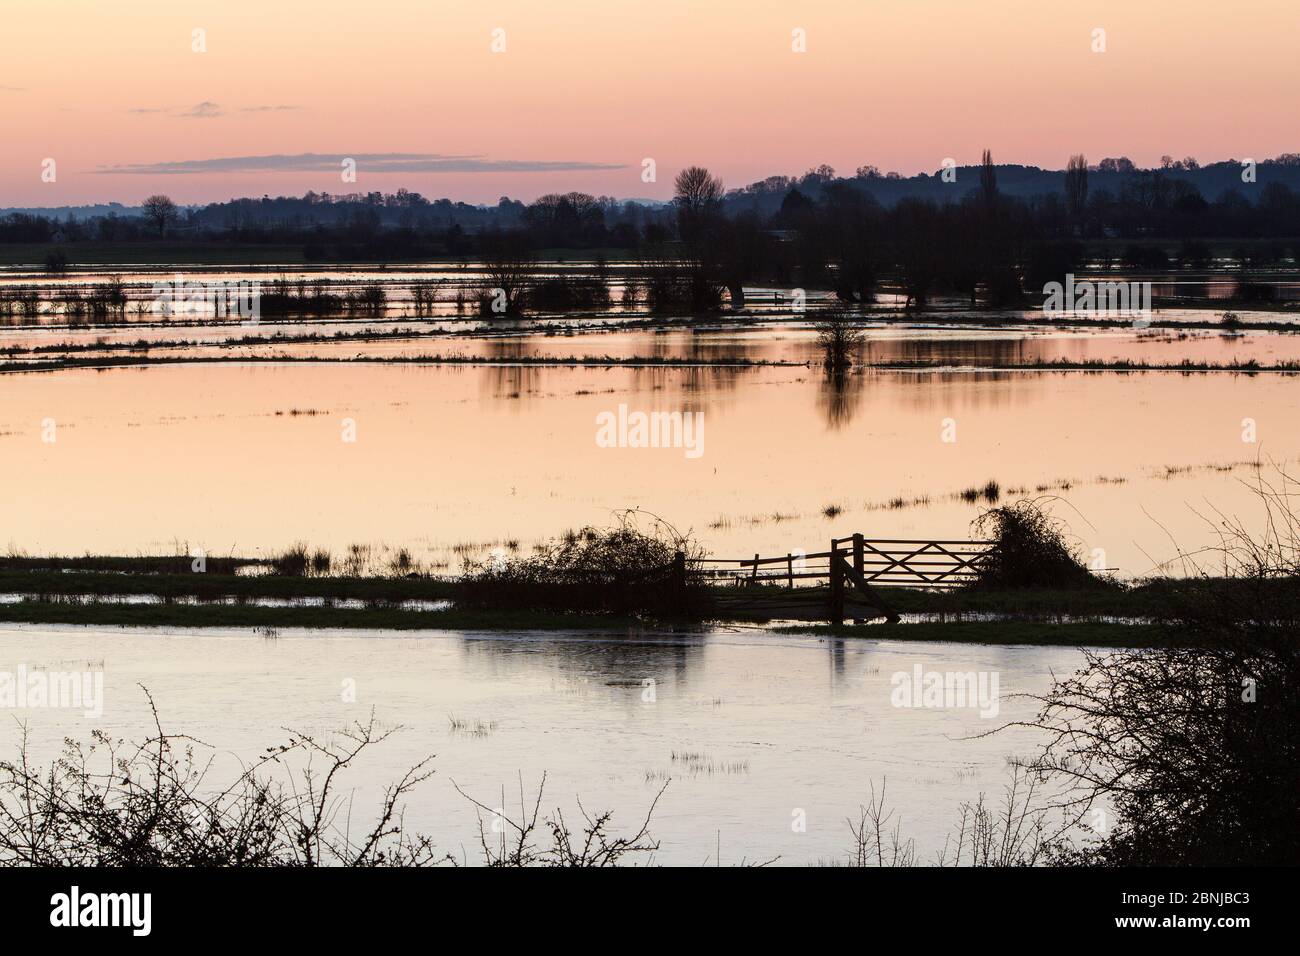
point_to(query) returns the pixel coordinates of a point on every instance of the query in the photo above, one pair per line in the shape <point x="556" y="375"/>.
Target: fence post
<point x="837" y="586"/>
<point x="859" y="556"/>
<point x="789" y="570"/>
<point x="753" y="575"/>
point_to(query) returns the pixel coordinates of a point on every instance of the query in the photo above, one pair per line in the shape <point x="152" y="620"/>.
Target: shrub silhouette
<point x="1194" y="747"/>
<point x="1031" y="550"/>
<point x="621" y="570"/>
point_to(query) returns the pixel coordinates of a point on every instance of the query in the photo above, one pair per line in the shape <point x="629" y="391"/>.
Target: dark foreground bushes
<point x="120" y="804"/>
<point x="110" y="803"/>
<point x="1191" y="752"/>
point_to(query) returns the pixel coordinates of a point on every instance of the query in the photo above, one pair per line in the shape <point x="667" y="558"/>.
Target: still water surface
<point x="451" y="461"/>
<point x="762" y="726"/>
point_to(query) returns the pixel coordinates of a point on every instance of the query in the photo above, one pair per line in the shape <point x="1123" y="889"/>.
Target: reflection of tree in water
<point x="839" y="395"/>
<point x="511" y="381"/>
<point x="940" y="388"/>
<point x="623" y="663"/>
<point x="842" y="344"/>
<point x="702" y="379"/>
<point x="518" y="381"/>
<point x="1004" y="351"/>
<point x="694" y="380"/>
<point x="702" y="350"/>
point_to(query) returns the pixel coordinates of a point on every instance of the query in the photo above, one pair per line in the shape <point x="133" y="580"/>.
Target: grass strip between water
<point x="1080" y="634"/>
<point x="235" y="615"/>
<point x="105" y="614"/>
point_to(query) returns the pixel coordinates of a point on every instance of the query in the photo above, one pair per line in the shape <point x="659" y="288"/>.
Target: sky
<point x="585" y="91"/>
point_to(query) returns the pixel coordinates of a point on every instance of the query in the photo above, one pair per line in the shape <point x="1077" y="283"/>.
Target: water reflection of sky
<point x="246" y="458"/>
<point x="745" y="729"/>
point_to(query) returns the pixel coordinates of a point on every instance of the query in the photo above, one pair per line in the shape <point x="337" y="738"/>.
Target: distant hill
<point x="1212" y="182"/>
<point x="84" y="213"/>
<point x="77" y="213"/>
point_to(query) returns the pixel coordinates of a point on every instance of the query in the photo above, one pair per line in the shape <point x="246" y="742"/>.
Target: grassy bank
<point x="392" y="619"/>
<point x="1156" y="599"/>
<point x="76" y="591"/>
<point x="211" y="587"/>
<point x="1094" y="634"/>
<point x="574" y="361"/>
<point x="236" y="615"/>
<point x="1249" y="367"/>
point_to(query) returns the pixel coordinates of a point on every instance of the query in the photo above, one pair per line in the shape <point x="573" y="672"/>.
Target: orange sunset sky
<point x="588" y="88"/>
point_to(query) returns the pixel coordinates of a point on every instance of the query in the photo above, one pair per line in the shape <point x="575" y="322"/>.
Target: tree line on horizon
<point x="817" y="231"/>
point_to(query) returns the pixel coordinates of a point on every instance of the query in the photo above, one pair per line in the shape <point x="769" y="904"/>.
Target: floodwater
<point x="767" y="744"/>
<point x="454" y="461"/>
<point x="774" y="341"/>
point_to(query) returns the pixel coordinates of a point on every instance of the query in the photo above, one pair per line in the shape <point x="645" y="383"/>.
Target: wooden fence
<point x="887" y="562"/>
<point x="861" y="564"/>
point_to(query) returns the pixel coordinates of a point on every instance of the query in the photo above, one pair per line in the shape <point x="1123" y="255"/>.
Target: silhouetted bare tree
<point x="160" y="211"/>
<point x="507" y="274"/>
<point x="698" y="198"/>
<point x="988" y="180"/>
<point x="916" y="225"/>
<point x="1076" y="185"/>
<point x="841" y="342"/>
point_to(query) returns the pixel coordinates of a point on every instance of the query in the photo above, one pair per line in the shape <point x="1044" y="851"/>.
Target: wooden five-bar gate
<point x="855" y="568"/>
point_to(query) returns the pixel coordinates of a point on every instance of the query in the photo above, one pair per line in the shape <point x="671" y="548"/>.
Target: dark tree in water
<point x="161" y="212"/>
<point x="988" y="180"/>
<point x="739" y="253"/>
<point x="916" y="226"/>
<point x="1076" y="185"/>
<point x="507" y="274"/>
<point x="850" y="223"/>
<point x="841" y="342"/>
<point x="698" y="198"/>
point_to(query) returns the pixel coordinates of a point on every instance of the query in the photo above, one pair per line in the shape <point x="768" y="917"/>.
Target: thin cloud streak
<point x="367" y="162"/>
<point x="204" y="110"/>
<point x="210" y="110"/>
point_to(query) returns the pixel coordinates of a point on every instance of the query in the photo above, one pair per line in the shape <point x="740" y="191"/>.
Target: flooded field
<point x="447" y="438"/>
<point x="775" y="340"/>
<point x="418" y="310"/>
<point x="454" y="460"/>
<point x="751" y="733"/>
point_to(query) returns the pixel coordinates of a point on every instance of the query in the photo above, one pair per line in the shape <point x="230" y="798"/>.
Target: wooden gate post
<point x="859" y="555"/>
<point x="837" y="586"/>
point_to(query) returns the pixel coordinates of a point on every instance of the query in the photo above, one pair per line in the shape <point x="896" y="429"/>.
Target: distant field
<point x="96" y="253"/>
<point x="150" y="253"/>
<point x="235" y="254"/>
